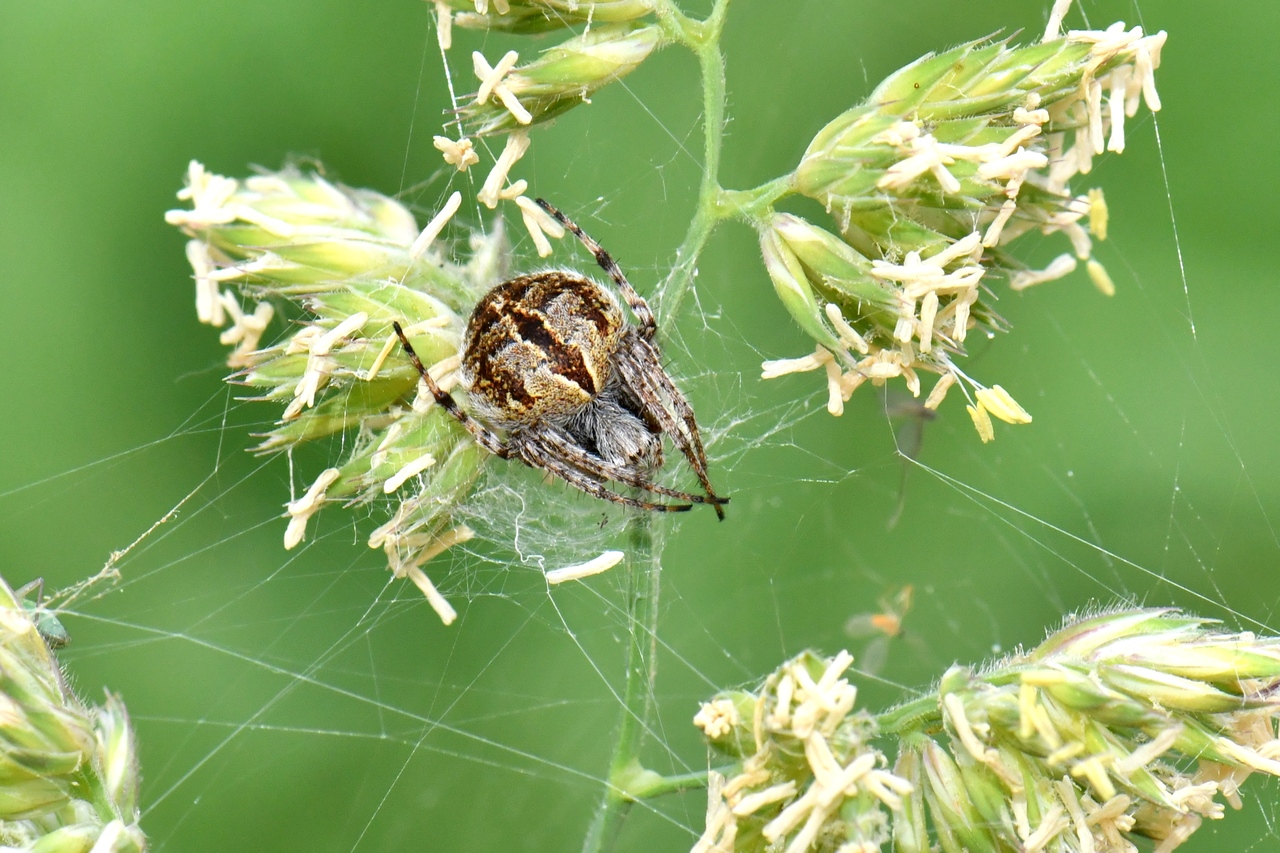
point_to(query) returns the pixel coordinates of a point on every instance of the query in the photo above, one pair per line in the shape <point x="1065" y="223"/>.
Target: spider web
<point x="304" y="700"/>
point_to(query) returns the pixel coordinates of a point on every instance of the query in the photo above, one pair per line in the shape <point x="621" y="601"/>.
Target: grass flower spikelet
<point x="347" y="263"/>
<point x="929" y="180"/>
<point x="70" y="780"/>
<point x="1125" y="725"/>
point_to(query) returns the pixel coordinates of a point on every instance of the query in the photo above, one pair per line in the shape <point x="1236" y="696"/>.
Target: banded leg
<point x="570" y="452"/>
<point x="486" y="438"/>
<point x="638" y="376"/>
<point x="539" y="456"/>
<point x="648" y="357"/>
<point x="648" y="326"/>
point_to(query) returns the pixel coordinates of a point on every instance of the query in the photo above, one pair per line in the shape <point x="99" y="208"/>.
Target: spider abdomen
<point x="539" y="348"/>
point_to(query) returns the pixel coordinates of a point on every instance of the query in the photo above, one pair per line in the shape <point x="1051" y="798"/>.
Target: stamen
<point x="514" y="191"/>
<point x="962" y="314"/>
<point x="437" y="601"/>
<point x="1014" y="165"/>
<point x="1022" y="136"/>
<point x="435" y="226"/>
<point x="1026" y="708"/>
<point x="1000" y="403"/>
<point x="926" y="156"/>
<point x="461" y="153"/>
<point x="444" y="25"/>
<point x="1100" y="277"/>
<point x="246" y="330"/>
<point x="928" y="311"/>
<point x="304" y="507"/>
<point x="387" y="348"/>
<point x="517" y="145"/>
<point x="491" y="77"/>
<point x="781" y="714"/>
<point x="783" y="366"/>
<point x="981" y="422"/>
<point x="1061" y="266"/>
<point x="1083" y="150"/>
<point x="411" y="570"/>
<point x="325" y="343"/>
<point x="966" y="245"/>
<point x="1051" y="825"/>
<point x="491" y="82"/>
<point x="1150" y="751"/>
<point x="410" y="469"/>
<point x="1065" y="753"/>
<point x="1067" y="794"/>
<point x="1119" y="83"/>
<point x="752" y="803"/>
<point x="208" y="304"/>
<point x="1053" y="29"/>
<point x="1094" y="769"/>
<point x="539" y="224"/>
<point x="1098" y="213"/>
<point x="835" y="389"/>
<point x="1096" y="138"/>
<point x="848" y="335"/>
<point x="939" y="391"/>
<point x="717" y="718"/>
<point x="595" y="566"/>
<point x="992" y="237"/>
<point x="304" y="393"/>
<point x="960" y="722"/>
<point x="1152" y="56"/>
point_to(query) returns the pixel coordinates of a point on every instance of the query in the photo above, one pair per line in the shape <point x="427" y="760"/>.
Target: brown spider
<point x="549" y="359"/>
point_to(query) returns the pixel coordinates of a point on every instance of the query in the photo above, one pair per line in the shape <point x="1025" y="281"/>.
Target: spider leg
<point x="575" y="455"/>
<point x="649" y="359"/>
<point x="642" y="370"/>
<point x="540" y="455"/>
<point x="486" y="438"/>
<point x="648" y="326"/>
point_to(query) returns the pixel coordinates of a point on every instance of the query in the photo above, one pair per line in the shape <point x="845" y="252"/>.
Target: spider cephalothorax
<point x="550" y="360"/>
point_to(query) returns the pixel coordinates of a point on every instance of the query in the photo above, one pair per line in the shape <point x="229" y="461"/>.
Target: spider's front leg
<point x="648" y="325"/>
<point x="643" y="373"/>
<point x="486" y="438"/>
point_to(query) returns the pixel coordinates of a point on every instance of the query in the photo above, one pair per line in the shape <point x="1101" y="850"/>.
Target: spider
<point x="549" y="360"/>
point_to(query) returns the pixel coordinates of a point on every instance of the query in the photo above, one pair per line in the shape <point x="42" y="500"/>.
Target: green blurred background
<point x="289" y="701"/>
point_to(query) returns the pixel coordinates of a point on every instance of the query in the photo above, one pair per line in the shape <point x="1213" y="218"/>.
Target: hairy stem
<point x="703" y="38"/>
<point x="628" y="779"/>
<point x="643" y="578"/>
<point x="909" y="717"/>
<point x="655" y="785"/>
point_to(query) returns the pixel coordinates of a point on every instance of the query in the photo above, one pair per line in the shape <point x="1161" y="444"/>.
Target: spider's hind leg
<point x="563" y="448"/>
<point x="539" y="455"/>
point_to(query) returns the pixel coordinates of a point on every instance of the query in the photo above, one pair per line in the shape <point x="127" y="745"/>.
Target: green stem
<point x="926" y="711"/>
<point x="703" y="38"/>
<point x="715" y="204"/>
<point x="628" y="779"/>
<point x="912" y="715"/>
<point x="643" y="578"/>
<point x="649" y="784"/>
<point x="754" y="206"/>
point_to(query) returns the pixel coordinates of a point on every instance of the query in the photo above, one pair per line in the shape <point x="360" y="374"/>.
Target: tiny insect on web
<point x="47" y="623"/>
<point x="549" y="360"/>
